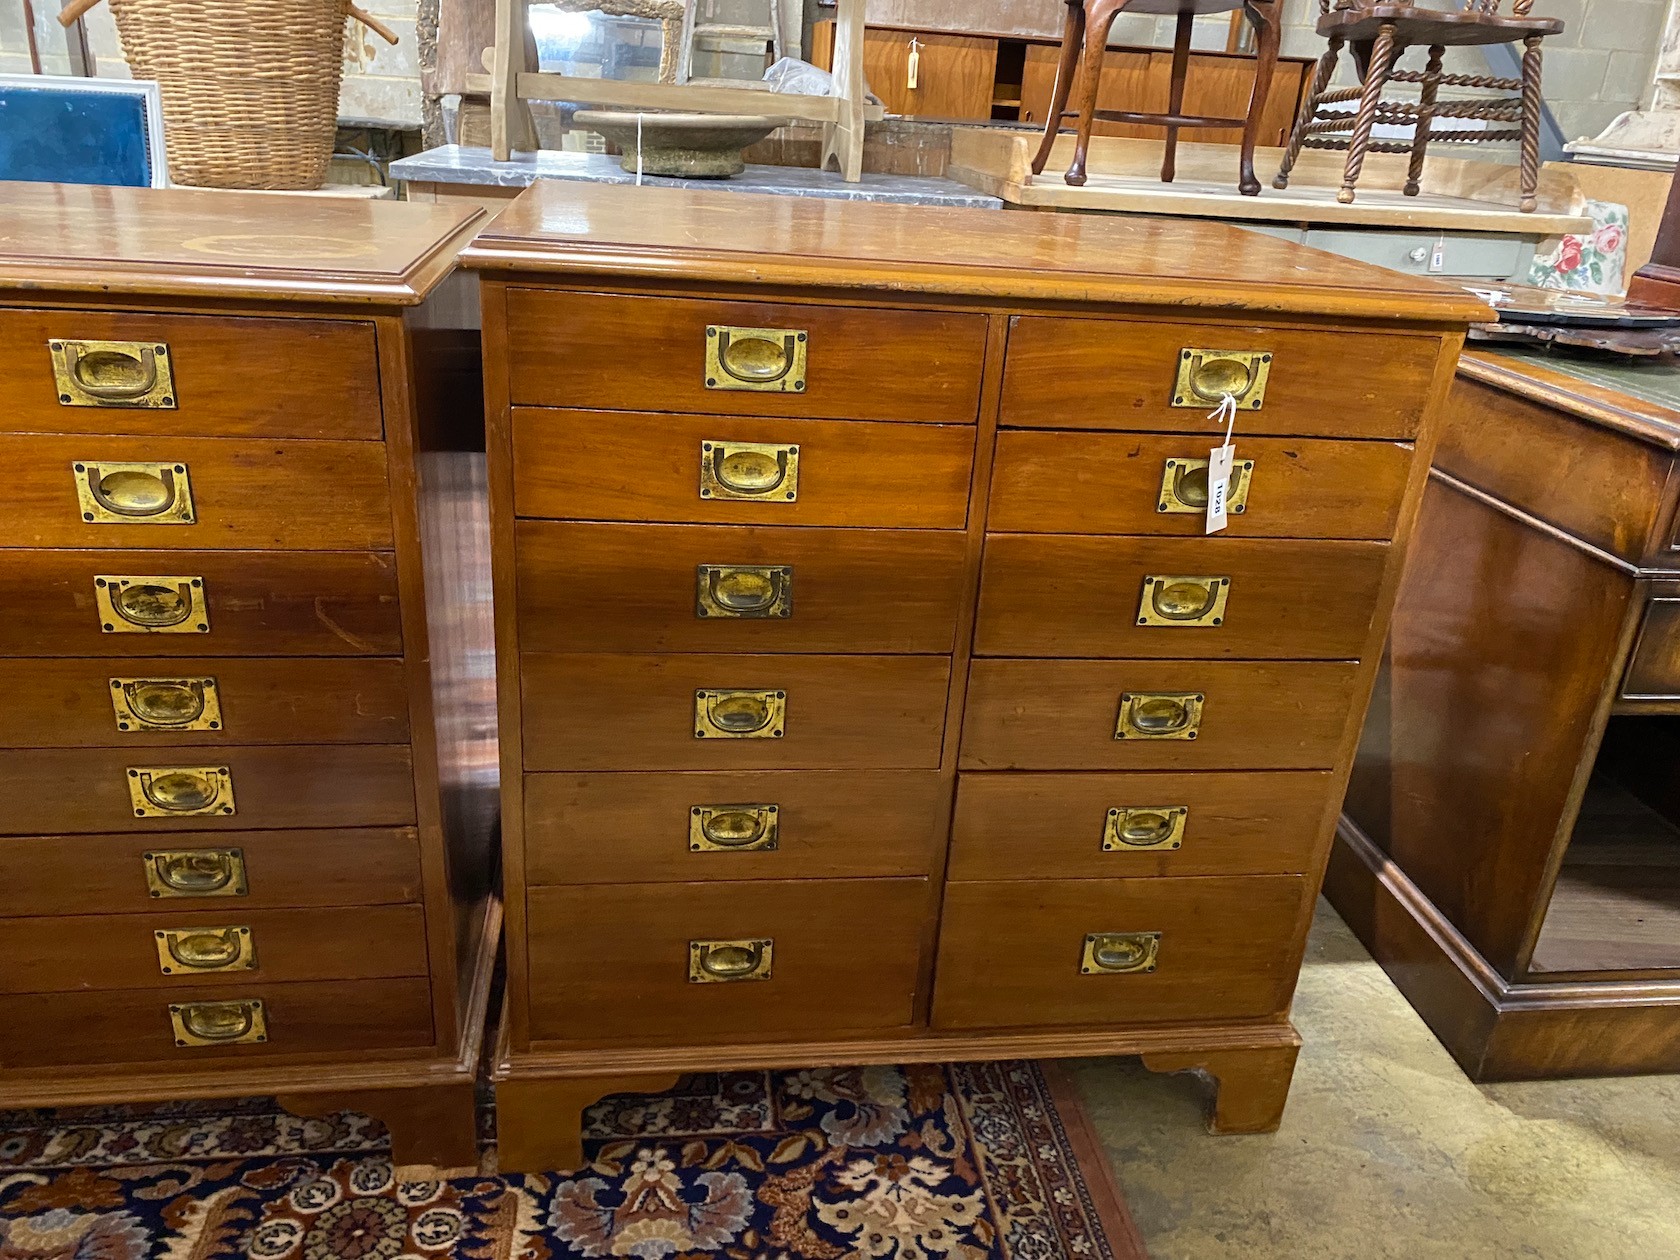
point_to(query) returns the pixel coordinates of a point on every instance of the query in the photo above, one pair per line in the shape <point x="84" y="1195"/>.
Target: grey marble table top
<point x="460" y="164"/>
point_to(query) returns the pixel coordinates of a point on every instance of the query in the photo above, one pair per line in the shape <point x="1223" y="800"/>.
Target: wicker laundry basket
<point x="250" y="90"/>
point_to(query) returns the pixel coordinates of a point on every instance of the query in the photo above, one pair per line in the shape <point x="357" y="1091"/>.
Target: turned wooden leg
<point x="431" y="1126"/>
<point x="1268" y="31"/>
<point x="1309" y="108"/>
<point x="1073" y="37"/>
<point x="1426" y="117"/>
<point x="1381" y="61"/>
<point x="1099" y="17"/>
<point x="1175" y="93"/>
<point x="1250" y="1086"/>
<point x="539" y="1123"/>
<point x="1530" y="157"/>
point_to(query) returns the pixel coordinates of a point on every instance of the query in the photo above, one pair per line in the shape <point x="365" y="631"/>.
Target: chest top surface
<point x="1639" y="399"/>
<point x="85" y="238"/>
<point x="683" y="234"/>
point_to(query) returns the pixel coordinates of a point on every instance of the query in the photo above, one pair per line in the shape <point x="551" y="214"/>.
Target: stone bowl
<point x="687" y="146"/>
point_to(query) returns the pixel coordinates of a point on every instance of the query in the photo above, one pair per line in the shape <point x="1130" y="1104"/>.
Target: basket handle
<point x="77" y="9"/>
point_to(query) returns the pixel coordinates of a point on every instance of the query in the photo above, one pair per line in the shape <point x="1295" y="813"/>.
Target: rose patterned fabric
<point x="1591" y="262"/>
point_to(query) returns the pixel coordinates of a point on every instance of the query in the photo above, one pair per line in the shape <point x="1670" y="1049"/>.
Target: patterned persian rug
<point x="953" y="1162"/>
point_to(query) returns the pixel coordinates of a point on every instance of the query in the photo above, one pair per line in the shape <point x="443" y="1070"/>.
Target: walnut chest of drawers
<point x="870" y="689"/>
<point x="224" y="866"/>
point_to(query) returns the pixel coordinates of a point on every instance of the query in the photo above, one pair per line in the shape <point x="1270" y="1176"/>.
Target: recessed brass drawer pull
<point x="205" y="949"/>
<point x="739" y="714"/>
<point x="242" y="1022"/>
<point x="749" y="471"/>
<point x="1206" y="376"/>
<point x="195" y="873"/>
<point x="1119" y="953"/>
<point x="744" y="591"/>
<point x="166" y="704"/>
<point x="734" y="828"/>
<point x="112" y="374"/>
<point x="1174" y="599"/>
<point x="1159" y="715"/>
<point x="724" y="962"/>
<point x="151" y="605"/>
<point x="1184" y="486"/>
<point x="177" y="791"/>
<point x="1145" y="827"/>
<point x="134" y="494"/>
<point x="761" y="359"/>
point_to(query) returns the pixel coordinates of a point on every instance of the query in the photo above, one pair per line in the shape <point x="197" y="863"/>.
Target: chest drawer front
<point x="1022" y="953"/>
<point x="179" y="492"/>
<point x="1116" y="826"/>
<point x="255" y="870"/>
<point x="160" y="702"/>
<point x="157" y="790"/>
<point x="1124" y="374"/>
<point x="1065" y="595"/>
<point x="635" y="828"/>
<point x="651" y="353"/>
<point x="171" y="950"/>
<point x="1246" y="715"/>
<point x="51" y="1030"/>
<point x="641" y="712"/>
<point x="673" y="588"/>
<point x="1104" y="483"/>
<point x="607" y="466"/>
<point x="1653" y="671"/>
<point x="825" y="956"/>
<point x="250" y="603"/>
<point x="227" y="377"/>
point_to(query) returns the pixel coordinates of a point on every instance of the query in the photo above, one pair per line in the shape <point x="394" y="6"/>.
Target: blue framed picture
<point x="81" y="131"/>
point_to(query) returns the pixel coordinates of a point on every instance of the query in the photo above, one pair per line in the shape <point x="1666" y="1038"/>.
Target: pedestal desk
<point x="870" y="690"/>
<point x="237" y="856"/>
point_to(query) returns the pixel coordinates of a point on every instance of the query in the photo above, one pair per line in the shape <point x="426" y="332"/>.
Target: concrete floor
<point x="1386" y="1150"/>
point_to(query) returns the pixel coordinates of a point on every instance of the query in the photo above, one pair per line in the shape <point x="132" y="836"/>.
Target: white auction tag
<point x="1220" y="460"/>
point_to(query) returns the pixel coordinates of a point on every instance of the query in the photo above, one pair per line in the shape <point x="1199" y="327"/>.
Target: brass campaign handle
<point x="722" y="962"/>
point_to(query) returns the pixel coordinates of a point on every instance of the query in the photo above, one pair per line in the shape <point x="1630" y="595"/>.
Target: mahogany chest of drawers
<point x="224" y="862"/>
<point x="870" y="688"/>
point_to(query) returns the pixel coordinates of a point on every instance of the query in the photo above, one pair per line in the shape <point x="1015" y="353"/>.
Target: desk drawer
<point x="180" y="492"/>
<point x="651" y="354"/>
<point x="1066" y="373"/>
<point x="138" y="874"/>
<point x="636" y="828"/>
<point x="1653" y="671"/>
<point x="1017" y="953"/>
<point x="1067" y="595"/>
<point x="1107" y="826"/>
<point x="818" y="956"/>
<point x="171" y="950"/>
<point x="157" y="703"/>
<point x="54" y="1030"/>
<point x="681" y="588"/>
<point x="640" y="712"/>
<point x="624" y="466"/>
<point x="252" y="603"/>
<point x="1109" y="483"/>
<point x="1245" y="715"/>
<point x="48" y="792"/>
<point x="231" y="377"/>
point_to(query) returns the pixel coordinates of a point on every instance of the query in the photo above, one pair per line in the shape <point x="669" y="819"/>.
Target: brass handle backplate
<point x="1184" y="486"/>
<point x="724" y="962"/>
<point x="236" y="1023"/>
<point x="1119" y="953"/>
<point x="183" y="950"/>
<point x="734" y="828"/>
<point x="180" y="791"/>
<point x="739" y="714"/>
<point x="150" y="605"/>
<point x="1138" y="827"/>
<point x="112" y="374"/>
<point x="133" y="494"/>
<point x="1206" y="376"/>
<point x="1159" y="715"/>
<point x="764" y="360"/>
<point x="174" y="873"/>
<point x="743" y="591"/>
<point x="749" y="472"/>
<point x="166" y="704"/>
<point x="1184" y="600"/>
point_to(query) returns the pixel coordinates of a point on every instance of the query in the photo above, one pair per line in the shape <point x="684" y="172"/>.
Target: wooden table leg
<point x="1268" y="31"/>
<point x="539" y="1123"/>
<point x="843" y="139"/>
<point x="1251" y="1086"/>
<point x="434" y="1126"/>
<point x="1099" y="20"/>
<point x="1175" y="90"/>
<point x="1073" y="37"/>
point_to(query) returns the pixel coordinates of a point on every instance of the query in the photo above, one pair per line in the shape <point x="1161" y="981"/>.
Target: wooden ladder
<point x="718" y="36"/>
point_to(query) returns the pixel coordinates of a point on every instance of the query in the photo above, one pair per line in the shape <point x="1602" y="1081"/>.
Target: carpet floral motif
<point x="955" y="1162"/>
